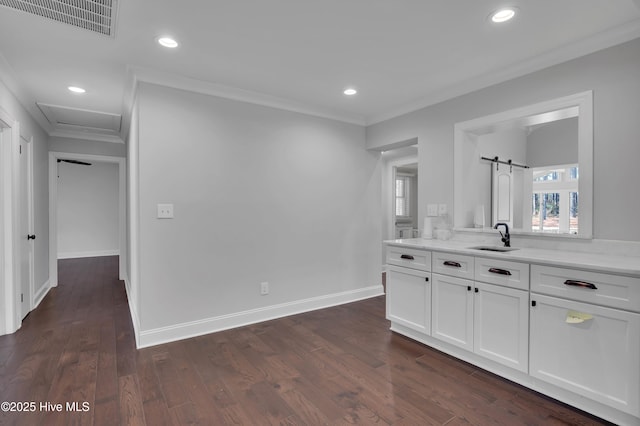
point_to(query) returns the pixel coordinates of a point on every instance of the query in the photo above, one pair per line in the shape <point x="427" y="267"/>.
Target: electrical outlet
<point x="432" y="210"/>
<point x="264" y="288"/>
<point x="165" y="211"/>
<point x="442" y="209"/>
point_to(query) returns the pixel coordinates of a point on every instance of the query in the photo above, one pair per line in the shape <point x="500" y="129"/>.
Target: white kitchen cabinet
<point x="580" y="343"/>
<point x="591" y="350"/>
<point x="501" y="325"/>
<point x="409" y="298"/>
<point x="452" y="310"/>
<point x="487" y="319"/>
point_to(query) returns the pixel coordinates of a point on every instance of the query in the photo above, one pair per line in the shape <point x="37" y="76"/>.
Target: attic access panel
<point x="66" y="118"/>
<point x="92" y="15"/>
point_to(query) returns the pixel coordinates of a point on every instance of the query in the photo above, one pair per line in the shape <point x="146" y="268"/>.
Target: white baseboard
<point x="133" y="310"/>
<point x="94" y="253"/>
<point x="224" y="322"/>
<point x="40" y="294"/>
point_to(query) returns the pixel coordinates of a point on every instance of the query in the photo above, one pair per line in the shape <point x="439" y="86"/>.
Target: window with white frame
<point x="555" y="199"/>
<point x="403" y="195"/>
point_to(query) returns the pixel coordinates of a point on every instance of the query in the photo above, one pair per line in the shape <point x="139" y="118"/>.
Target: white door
<point x="26" y="237"/>
<point x="501" y="325"/>
<point x="502" y="195"/>
<point x="587" y="349"/>
<point x="452" y="310"/>
<point x="409" y="298"/>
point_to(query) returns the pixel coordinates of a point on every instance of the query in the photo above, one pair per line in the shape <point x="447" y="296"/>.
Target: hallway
<point x="334" y="366"/>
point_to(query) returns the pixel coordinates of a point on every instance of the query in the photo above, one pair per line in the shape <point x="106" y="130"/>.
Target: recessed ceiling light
<point x="350" y="92"/>
<point x="168" y="42"/>
<point x="76" y="89"/>
<point x="503" y="15"/>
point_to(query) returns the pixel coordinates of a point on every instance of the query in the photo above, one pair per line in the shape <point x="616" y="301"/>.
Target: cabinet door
<point x="501" y="325"/>
<point x="452" y="310"/>
<point x="597" y="358"/>
<point x="409" y="298"/>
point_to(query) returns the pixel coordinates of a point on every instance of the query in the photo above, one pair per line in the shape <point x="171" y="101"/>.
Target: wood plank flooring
<point x="335" y="366"/>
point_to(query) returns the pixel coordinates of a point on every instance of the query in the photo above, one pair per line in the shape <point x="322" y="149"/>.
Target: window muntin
<point x="555" y="199"/>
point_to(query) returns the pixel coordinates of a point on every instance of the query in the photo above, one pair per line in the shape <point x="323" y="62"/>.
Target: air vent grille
<point x="93" y="15"/>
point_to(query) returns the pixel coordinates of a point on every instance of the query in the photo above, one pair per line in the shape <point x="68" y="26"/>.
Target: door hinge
<point x="21" y="297"/>
<point x="20" y="149"/>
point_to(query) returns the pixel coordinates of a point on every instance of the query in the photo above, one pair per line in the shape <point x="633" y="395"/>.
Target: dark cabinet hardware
<point x="577" y="283"/>
<point x="499" y="271"/>
<point x="468" y="288"/>
<point x="452" y="263"/>
<point x="31" y="237"/>
<point x="406" y="256"/>
<point x="533" y="303"/>
<point x="426" y="279"/>
<point x="476" y="289"/>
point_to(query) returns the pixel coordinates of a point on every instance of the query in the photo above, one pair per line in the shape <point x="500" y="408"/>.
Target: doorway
<point x="399" y="160"/>
<point x="54" y="159"/>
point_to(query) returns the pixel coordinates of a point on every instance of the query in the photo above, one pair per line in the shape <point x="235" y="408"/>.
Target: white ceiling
<point x="400" y="54"/>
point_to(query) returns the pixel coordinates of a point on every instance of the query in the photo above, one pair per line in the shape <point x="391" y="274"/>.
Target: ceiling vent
<point x="93" y="15"/>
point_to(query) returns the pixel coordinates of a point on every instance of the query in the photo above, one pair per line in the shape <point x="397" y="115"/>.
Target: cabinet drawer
<point x="502" y="272"/>
<point x="615" y="291"/>
<point x="409" y="258"/>
<point x="456" y="265"/>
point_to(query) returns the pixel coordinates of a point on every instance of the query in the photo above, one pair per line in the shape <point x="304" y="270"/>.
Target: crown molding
<point x="175" y="81"/>
<point x="600" y="41"/>
<point x="85" y="136"/>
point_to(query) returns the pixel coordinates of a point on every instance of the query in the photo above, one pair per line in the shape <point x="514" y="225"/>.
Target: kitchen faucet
<point x="506" y="238"/>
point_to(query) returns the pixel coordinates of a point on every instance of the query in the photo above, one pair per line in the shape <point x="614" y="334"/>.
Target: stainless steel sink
<point x="493" y="248"/>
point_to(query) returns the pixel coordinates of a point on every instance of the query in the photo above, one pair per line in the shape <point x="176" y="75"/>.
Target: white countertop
<point x="600" y="262"/>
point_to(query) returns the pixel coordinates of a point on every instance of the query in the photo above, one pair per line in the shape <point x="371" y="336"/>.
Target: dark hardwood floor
<point x="333" y="366"/>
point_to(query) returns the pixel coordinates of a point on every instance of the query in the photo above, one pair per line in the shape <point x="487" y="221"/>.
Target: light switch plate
<point x="442" y="209"/>
<point x="432" y="210"/>
<point x="165" y="211"/>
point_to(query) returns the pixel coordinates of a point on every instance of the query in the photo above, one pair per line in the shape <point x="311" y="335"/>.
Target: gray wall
<point x="260" y="194"/>
<point x="612" y="74"/>
<point x="87" y="210"/>
<point x="553" y="144"/>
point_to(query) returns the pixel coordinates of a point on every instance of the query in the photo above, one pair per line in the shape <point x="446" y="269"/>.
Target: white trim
<point x="213" y="89"/>
<point x="85" y="135"/>
<point x="94" y="253"/>
<point x="133" y="226"/>
<point x="600" y="41"/>
<point x="135" y="319"/>
<point x="41" y="293"/>
<point x="10" y="224"/>
<point x="466" y="130"/>
<point x="224" y="322"/>
<point x="30" y="220"/>
<point x="53" y="211"/>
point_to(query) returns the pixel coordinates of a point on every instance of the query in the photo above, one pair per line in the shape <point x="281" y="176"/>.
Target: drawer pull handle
<point x="451" y="263"/>
<point x="499" y="271"/>
<point x="577" y="283"/>
<point x="406" y="256"/>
